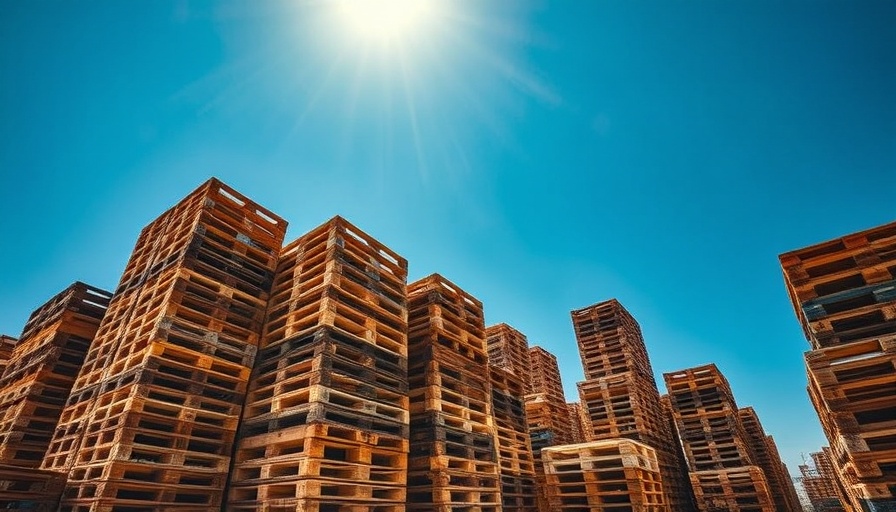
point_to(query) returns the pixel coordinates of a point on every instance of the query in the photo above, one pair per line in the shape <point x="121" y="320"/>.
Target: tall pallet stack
<point x="7" y="343"/>
<point x="844" y="293"/>
<point x="546" y="413"/>
<point x="821" y="484"/>
<point x="576" y="417"/>
<point x="153" y="413"/>
<point x="35" y="385"/>
<point x="546" y="409"/>
<point x="722" y="469"/>
<point x="42" y="370"/>
<point x="515" y="459"/>
<point x="325" y="426"/>
<point x="620" y="396"/>
<point x="766" y="456"/>
<point x="508" y="348"/>
<point x="613" y="475"/>
<point x="453" y="460"/>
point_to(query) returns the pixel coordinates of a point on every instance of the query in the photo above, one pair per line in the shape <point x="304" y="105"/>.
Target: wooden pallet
<point x="624" y="405"/>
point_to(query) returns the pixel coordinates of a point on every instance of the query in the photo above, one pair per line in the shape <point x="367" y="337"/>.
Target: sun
<point x="386" y="21"/>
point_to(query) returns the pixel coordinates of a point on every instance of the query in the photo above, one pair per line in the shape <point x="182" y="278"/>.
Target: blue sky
<point x="543" y="157"/>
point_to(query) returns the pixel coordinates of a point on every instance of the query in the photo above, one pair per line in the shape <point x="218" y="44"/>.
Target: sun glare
<point x="385" y="21"/>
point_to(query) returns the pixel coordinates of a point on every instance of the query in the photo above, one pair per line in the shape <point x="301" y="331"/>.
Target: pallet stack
<point x="7" y="343"/>
<point x="721" y="462"/>
<point x="30" y="489"/>
<point x="546" y="412"/>
<point x="325" y="425"/>
<point x="508" y="348"/>
<point x="614" y="475"/>
<point x="576" y="417"/>
<point x="508" y="353"/>
<point x="42" y="370"/>
<point x="515" y="459"/>
<point x="151" y="420"/>
<point x="844" y="293"/>
<point x="453" y="460"/>
<point x="821" y="484"/>
<point x="620" y="396"/>
<point x="35" y="385"/>
<point x="766" y="457"/>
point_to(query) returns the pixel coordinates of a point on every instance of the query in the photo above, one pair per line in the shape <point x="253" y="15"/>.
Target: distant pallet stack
<point x="723" y="473"/>
<point x="453" y="461"/>
<point x="821" y="484"/>
<point x="509" y="366"/>
<point x="515" y="459"/>
<point x="325" y="425"/>
<point x="620" y="397"/>
<point x="740" y="489"/>
<point x="766" y="457"/>
<point x="42" y="370"/>
<point x="7" y="343"/>
<point x="508" y="348"/>
<point x="576" y="418"/>
<point x="844" y="294"/>
<point x="546" y="412"/>
<point x="151" y="420"/>
<point x="616" y="475"/>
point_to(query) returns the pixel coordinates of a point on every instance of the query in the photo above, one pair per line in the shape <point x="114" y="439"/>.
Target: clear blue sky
<point x="544" y="157"/>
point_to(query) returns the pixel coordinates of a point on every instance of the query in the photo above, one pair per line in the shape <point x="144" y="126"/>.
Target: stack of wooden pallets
<point x="453" y="460"/>
<point x="546" y="413"/>
<point x="35" y="385"/>
<point x="508" y="348"/>
<point x="615" y="475"/>
<point x="152" y="417"/>
<point x="576" y="417"/>
<point x="720" y="457"/>
<point x="7" y="343"/>
<point x="42" y="370"/>
<point x="844" y="293"/>
<point x="325" y="426"/>
<point x="766" y="456"/>
<point x="515" y="459"/>
<point x="30" y="489"/>
<point x="620" y="398"/>
<point x="509" y="370"/>
<point x="822" y="485"/>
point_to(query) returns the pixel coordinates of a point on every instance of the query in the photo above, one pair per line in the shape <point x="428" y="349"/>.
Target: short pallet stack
<point x="515" y="459"/>
<point x="30" y="489"/>
<point x="153" y="414"/>
<point x="508" y="348"/>
<point x="42" y="370"/>
<point x="325" y="426"/>
<point x="844" y="293"/>
<point x="722" y="469"/>
<point x="766" y="456"/>
<point x="453" y="462"/>
<point x="620" y="398"/>
<point x="617" y="475"/>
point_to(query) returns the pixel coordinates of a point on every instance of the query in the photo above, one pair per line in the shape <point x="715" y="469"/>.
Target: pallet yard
<point x="231" y="372"/>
